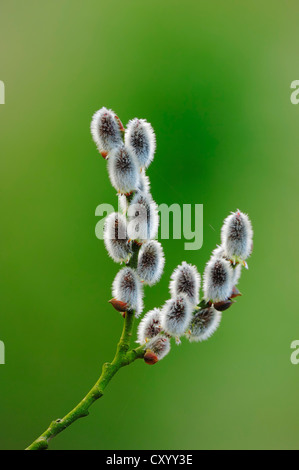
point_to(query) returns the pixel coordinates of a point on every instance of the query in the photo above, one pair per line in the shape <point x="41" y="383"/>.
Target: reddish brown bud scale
<point x="137" y="243"/>
<point x="223" y="305"/>
<point x="104" y="155"/>
<point x="235" y="293"/>
<point x="150" y="358"/>
<point x="119" y="305"/>
<point x="120" y="124"/>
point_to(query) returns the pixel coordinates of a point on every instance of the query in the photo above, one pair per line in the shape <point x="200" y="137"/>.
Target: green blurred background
<point x="214" y="79"/>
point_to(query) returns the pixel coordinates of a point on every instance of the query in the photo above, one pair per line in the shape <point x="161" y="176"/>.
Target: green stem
<point x="123" y="357"/>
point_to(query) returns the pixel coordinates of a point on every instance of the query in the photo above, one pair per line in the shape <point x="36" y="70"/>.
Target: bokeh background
<point x="214" y="79"/>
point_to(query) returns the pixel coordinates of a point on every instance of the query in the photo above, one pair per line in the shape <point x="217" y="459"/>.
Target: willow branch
<point x="123" y="357"/>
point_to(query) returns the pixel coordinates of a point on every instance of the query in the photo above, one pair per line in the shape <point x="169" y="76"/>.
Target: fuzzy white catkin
<point x="159" y="345"/>
<point x="143" y="217"/>
<point x="123" y="203"/>
<point x="141" y="141"/>
<point x="116" y="237"/>
<point x="218" y="252"/>
<point x="236" y="269"/>
<point x="203" y="324"/>
<point x="236" y="236"/>
<point x="105" y="130"/>
<point x="123" y="170"/>
<point x="150" y="262"/>
<point x="218" y="278"/>
<point x="149" y="326"/>
<point x="143" y="186"/>
<point x="176" y="315"/>
<point x="144" y="182"/>
<point x="128" y="289"/>
<point x="186" y="280"/>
